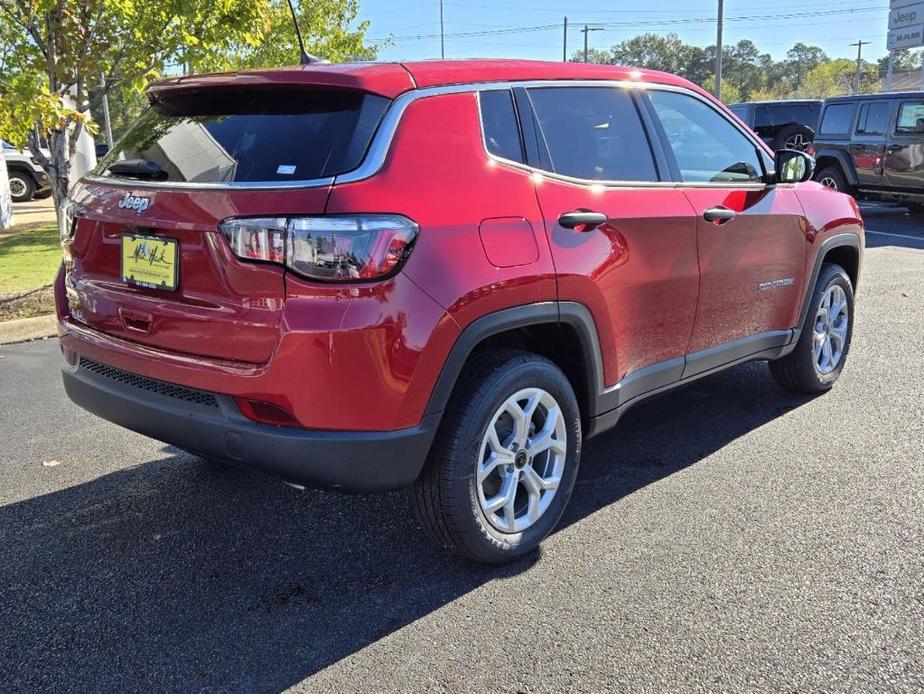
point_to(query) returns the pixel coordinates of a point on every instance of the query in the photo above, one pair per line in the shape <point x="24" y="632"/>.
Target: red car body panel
<point x="637" y="274"/>
<point x="658" y="281"/>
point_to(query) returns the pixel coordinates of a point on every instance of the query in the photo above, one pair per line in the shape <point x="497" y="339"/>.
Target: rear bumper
<point x="211" y="425"/>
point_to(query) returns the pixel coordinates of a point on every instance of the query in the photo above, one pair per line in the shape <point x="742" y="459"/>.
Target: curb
<point x="25" y="329"/>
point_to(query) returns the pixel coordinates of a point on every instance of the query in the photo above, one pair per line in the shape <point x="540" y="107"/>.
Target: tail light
<point x="351" y="248"/>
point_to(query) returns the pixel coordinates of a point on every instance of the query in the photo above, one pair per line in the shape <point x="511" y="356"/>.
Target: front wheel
<point x="832" y="177"/>
<point x="821" y="352"/>
<point x="503" y="466"/>
<point x="21" y="187"/>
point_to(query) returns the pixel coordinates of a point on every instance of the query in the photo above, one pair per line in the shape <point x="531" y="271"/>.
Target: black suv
<point x="781" y="124"/>
<point x="872" y="146"/>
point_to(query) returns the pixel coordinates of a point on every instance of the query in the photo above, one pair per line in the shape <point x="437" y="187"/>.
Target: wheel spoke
<point x="839" y="336"/>
<point x="533" y="480"/>
<point x="509" y="489"/>
<point x="545" y="439"/>
<point x="827" y="354"/>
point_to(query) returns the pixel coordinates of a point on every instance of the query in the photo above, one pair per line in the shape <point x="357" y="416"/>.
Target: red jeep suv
<point x="440" y="275"/>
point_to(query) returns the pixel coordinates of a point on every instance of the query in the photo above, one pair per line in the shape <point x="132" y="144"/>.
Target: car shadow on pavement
<point x="182" y="575"/>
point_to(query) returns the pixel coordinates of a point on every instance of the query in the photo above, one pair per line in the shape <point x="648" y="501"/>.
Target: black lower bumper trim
<point x="354" y="461"/>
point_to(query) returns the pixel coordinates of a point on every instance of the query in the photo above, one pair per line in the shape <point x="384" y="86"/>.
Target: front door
<point x="623" y="246"/>
<point x="750" y="235"/>
<point x="868" y="144"/>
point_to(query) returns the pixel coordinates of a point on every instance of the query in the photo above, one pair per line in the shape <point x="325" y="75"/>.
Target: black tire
<point x="798" y="371"/>
<point x="445" y="497"/>
<point x="915" y="207"/>
<point x="22" y="187"/>
<point x="833" y="178"/>
<point x="793" y="132"/>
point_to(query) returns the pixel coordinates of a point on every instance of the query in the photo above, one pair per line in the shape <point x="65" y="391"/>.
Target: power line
<point x="674" y="22"/>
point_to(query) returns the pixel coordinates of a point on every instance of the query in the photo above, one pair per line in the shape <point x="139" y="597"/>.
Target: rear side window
<point x="593" y="133"/>
<point x="837" y="119"/>
<point x="706" y="146"/>
<point x="910" y="118"/>
<point x="499" y="121"/>
<point x="874" y="118"/>
<point x="252" y="135"/>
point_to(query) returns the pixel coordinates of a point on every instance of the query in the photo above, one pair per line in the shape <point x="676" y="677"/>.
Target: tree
<point x="56" y="53"/>
<point x="328" y="27"/>
<point x="838" y="77"/>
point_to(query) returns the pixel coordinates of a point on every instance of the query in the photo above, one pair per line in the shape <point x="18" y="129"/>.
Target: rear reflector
<point x="266" y="413"/>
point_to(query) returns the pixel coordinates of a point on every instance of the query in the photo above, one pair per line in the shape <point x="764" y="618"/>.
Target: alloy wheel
<point x="830" y="336"/>
<point x="798" y="142"/>
<point x="828" y="182"/>
<point x="521" y="460"/>
<point x="17" y="187"/>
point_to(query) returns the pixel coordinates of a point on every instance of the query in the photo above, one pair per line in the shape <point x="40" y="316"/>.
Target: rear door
<point x="750" y="235"/>
<point x="633" y="263"/>
<point x="904" y="163"/>
<point x="868" y="144"/>
<point x="148" y="262"/>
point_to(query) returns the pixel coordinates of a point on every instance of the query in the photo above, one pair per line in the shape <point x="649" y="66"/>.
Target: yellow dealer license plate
<point x="150" y="261"/>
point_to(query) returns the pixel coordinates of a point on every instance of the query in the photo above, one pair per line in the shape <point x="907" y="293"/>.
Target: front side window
<point x="247" y="135"/>
<point x="874" y="119"/>
<point x="837" y="119"/>
<point x="499" y="121"/>
<point x="910" y="118"/>
<point x="593" y="133"/>
<point x="706" y="146"/>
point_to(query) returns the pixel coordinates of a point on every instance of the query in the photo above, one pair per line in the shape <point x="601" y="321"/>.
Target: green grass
<point x="29" y="259"/>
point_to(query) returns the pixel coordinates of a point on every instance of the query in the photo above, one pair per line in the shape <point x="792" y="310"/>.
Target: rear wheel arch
<point x="563" y="332"/>
<point x="835" y="159"/>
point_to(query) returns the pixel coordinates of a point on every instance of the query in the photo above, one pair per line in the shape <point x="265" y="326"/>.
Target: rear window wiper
<point x="143" y="169"/>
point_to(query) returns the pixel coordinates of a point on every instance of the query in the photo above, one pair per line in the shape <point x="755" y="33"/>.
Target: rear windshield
<point x="253" y="135"/>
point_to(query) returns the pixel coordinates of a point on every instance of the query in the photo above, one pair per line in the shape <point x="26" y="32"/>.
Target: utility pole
<point x="107" y="123"/>
<point x="564" y="43"/>
<point x="719" y="49"/>
<point x="442" y="34"/>
<point x="586" y="31"/>
<point x="859" y="45"/>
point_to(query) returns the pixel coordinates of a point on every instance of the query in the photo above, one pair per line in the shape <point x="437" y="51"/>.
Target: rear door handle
<point x="582" y="220"/>
<point x="719" y="215"/>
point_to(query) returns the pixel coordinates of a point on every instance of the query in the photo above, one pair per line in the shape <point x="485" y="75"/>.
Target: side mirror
<point x="793" y="166"/>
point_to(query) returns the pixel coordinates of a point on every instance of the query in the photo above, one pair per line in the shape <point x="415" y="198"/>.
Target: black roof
<point x="775" y="102"/>
<point x="870" y="97"/>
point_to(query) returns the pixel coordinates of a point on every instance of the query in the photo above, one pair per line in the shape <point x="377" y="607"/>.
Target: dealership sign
<point x="906" y="24"/>
<point x="911" y="37"/>
<point x="907" y="17"/>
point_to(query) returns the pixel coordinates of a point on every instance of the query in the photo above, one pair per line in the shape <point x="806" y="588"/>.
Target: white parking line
<point x="898" y="236"/>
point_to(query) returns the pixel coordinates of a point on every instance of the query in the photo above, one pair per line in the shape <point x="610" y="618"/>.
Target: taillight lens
<point x="327" y="248"/>
<point x="257" y="238"/>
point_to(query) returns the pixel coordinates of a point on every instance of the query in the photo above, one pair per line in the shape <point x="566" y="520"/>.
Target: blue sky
<point x="533" y="28"/>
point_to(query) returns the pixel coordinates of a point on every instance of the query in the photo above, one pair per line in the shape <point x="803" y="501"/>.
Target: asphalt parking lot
<point x="726" y="537"/>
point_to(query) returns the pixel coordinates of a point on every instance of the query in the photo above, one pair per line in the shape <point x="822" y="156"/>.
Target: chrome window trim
<point x="594" y="183"/>
<point x="382" y="139"/>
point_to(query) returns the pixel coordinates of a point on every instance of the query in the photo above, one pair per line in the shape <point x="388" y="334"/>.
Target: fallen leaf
<point x="51" y="463"/>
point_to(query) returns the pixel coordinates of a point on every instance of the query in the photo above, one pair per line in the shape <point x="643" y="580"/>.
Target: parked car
<point x="872" y="146"/>
<point x="27" y="179"/>
<point x="440" y="275"/>
<point x="781" y="124"/>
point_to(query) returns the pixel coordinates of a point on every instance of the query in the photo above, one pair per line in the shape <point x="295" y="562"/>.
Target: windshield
<point x="252" y="135"/>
